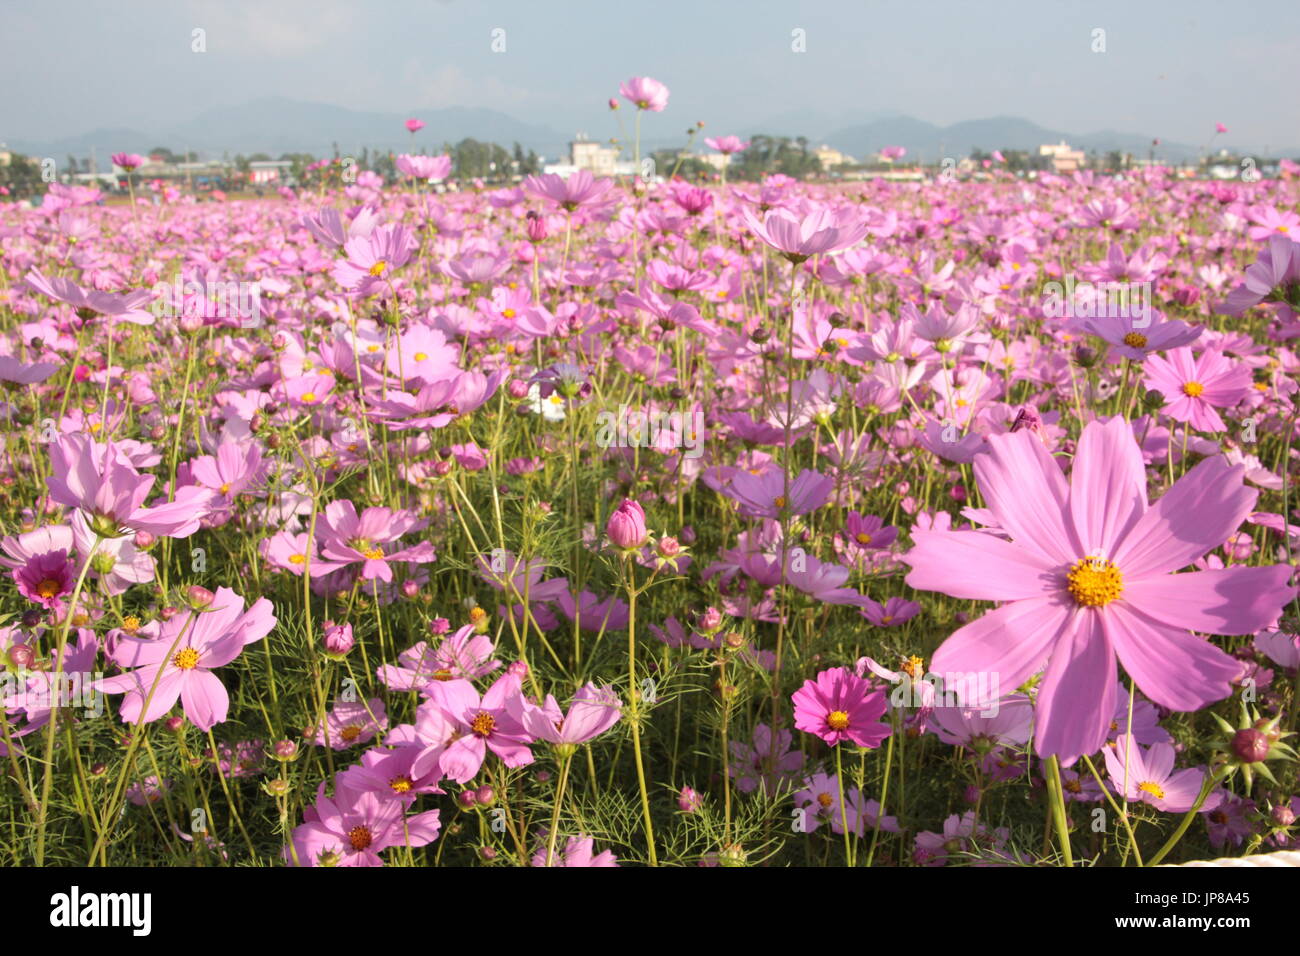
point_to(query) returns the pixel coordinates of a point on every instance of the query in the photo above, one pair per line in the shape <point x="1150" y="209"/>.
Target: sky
<point x="1169" y="69"/>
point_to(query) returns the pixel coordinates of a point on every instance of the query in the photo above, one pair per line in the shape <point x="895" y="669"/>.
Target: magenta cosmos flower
<point x="765" y="495"/>
<point x="46" y="579"/>
<point x="1088" y="576"/>
<point x="102" y="481"/>
<point x="645" y="93"/>
<point x="840" y="706"/>
<point x="1194" y="386"/>
<point x="178" y="661"/>
<point x="414" y="125"/>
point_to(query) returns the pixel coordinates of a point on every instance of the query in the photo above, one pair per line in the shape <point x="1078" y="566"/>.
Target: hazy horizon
<point x="1167" y="71"/>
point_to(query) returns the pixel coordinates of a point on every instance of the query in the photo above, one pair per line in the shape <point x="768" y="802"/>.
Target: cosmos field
<point x="596" y="522"/>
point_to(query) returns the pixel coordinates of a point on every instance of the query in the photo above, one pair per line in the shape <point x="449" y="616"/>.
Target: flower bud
<point x="21" y="657"/>
<point x="439" y="625"/>
<point x="626" y="526"/>
<point x="1250" y="745"/>
<point x="688" y="800"/>
<point x="467" y="799"/>
<point x="284" y="750"/>
<point x="198" y="597"/>
<point x="485" y="795"/>
<point x="338" y="639"/>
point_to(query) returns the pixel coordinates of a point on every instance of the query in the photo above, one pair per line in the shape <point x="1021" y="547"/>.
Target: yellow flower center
<point x="297" y="559"/>
<point x="378" y="268"/>
<point x="421" y="356"/>
<point x="1135" y="340"/>
<point x="1094" y="582"/>
<point x="401" y="784"/>
<point x="1193" y="389"/>
<point x="186" y="659"/>
<point x="442" y="673"/>
<point x="838" y="720"/>
<point x="508" y="314"/>
<point x="1153" y="789"/>
<point x="373" y="554"/>
<point x="863" y="538"/>
<point x="309" y="397"/>
<point x="130" y="624"/>
<point x="351" y="732"/>
<point x="1283" y="229"/>
<point x="914" y="666"/>
<point x="48" y="588"/>
<point x="825" y="799"/>
<point x="483" y="723"/>
<point x="779" y="501"/>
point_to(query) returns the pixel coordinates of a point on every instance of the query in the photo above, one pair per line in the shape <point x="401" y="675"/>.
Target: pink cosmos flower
<point x="432" y="168"/>
<point x="594" y="710"/>
<point x="22" y="373"/>
<point x="579" y="189"/>
<point x="465" y="655"/>
<point x="473" y="725"/>
<point x="1147" y="774"/>
<point x="128" y="161"/>
<point x="768" y="761"/>
<point x="645" y="93"/>
<point x="369" y="261"/>
<point x="102" y="481"/>
<point x="1087" y="576"/>
<point x="578" y="851"/>
<point x="1275" y="277"/>
<point x="355" y="827"/>
<point x="799" y="238"/>
<point x="1194" y="386"/>
<point x="840" y="706"/>
<point x="764" y="495"/>
<point x="414" y="125"/>
<point x="1136" y="341"/>
<point x="127" y="306"/>
<point x="347" y="538"/>
<point x="177" y="661"/>
<point x="726" y="144"/>
<point x="350" y="723"/>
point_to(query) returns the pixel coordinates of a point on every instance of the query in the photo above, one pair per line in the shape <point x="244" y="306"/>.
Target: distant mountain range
<point x="276" y="125"/>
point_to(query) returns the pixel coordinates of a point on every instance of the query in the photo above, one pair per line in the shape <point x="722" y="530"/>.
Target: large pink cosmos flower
<point x="1147" y="775"/>
<point x="1194" y="386"/>
<point x="178" y="660"/>
<point x="433" y="168"/>
<point x="727" y="144"/>
<point x="579" y="189"/>
<point x="800" y="237"/>
<point x="1087" y="576"/>
<point x="101" y="481"/>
